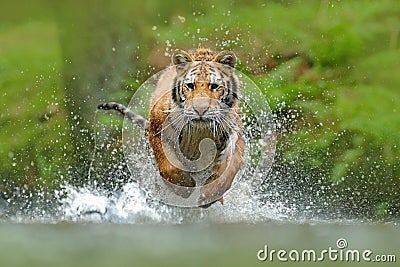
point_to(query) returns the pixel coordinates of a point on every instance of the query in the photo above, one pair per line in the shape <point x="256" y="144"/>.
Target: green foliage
<point x="34" y="132"/>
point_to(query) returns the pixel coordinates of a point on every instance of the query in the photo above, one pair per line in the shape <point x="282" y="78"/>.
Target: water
<point x="66" y="244"/>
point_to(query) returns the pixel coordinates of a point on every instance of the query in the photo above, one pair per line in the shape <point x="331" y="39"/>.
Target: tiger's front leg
<point x="223" y="177"/>
<point x="177" y="180"/>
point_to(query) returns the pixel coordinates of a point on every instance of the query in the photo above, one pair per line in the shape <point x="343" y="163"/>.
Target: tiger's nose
<point x="201" y="105"/>
<point x="200" y="110"/>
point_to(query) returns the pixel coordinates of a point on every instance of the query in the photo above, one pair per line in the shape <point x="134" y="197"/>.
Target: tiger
<point x="196" y="99"/>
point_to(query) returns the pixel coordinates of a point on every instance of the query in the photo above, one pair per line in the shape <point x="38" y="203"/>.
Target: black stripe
<point x="175" y="91"/>
<point x="234" y="84"/>
<point x="230" y="100"/>
<point x="139" y="120"/>
<point x="223" y="72"/>
<point x="235" y="95"/>
<point x="211" y="69"/>
<point x="228" y="84"/>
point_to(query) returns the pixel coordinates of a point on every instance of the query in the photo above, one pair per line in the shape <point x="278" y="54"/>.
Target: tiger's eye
<point x="190" y="86"/>
<point x="214" y="86"/>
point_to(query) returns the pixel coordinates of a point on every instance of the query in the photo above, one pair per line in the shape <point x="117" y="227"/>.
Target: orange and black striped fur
<point x="196" y="98"/>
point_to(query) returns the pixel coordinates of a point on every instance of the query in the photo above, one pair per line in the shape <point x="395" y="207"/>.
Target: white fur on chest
<point x="202" y="176"/>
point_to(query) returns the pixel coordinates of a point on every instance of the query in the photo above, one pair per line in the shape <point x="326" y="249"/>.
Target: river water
<point x="202" y="244"/>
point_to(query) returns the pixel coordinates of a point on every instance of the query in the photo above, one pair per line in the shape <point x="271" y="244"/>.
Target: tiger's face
<point x="205" y="89"/>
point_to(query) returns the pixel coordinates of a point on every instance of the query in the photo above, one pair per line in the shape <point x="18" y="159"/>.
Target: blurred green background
<point x="329" y="69"/>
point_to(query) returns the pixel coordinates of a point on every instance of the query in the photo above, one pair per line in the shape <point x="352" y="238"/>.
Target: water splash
<point x="120" y="199"/>
<point x="129" y="204"/>
<point x="132" y="205"/>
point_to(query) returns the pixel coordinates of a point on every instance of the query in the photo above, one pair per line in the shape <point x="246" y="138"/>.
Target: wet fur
<point x="173" y="106"/>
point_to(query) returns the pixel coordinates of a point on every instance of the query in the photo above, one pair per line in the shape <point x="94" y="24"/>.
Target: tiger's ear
<point x="226" y="57"/>
<point x="181" y="57"/>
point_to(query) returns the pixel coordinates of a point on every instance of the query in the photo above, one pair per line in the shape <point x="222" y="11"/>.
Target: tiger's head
<point x="206" y="85"/>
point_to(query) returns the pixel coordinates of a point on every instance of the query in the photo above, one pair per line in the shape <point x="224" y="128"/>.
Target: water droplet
<point x="182" y="19"/>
